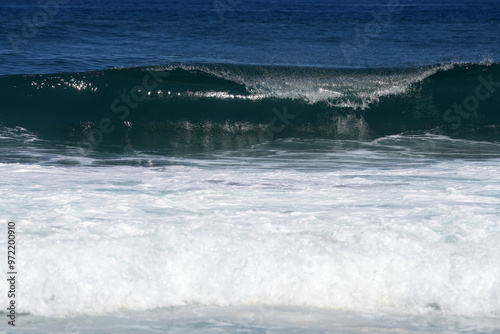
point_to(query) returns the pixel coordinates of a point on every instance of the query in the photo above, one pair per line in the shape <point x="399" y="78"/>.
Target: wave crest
<point x="150" y="106"/>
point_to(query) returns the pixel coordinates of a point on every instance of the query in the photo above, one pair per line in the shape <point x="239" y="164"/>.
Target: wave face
<point x="233" y="105"/>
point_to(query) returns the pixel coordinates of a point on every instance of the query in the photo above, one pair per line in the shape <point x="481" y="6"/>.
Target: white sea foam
<point x="337" y="88"/>
<point x="414" y="238"/>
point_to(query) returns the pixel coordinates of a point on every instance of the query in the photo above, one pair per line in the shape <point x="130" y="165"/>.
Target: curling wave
<point x="231" y="105"/>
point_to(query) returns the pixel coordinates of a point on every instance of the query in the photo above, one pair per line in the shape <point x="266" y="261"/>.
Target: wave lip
<point x="195" y="105"/>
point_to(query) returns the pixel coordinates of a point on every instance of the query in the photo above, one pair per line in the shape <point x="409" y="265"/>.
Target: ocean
<point x="238" y="166"/>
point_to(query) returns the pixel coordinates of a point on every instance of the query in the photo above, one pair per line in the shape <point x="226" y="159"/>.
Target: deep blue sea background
<point x="89" y="35"/>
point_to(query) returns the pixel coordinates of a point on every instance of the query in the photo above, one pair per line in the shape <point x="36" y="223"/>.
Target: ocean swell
<point x="232" y="105"/>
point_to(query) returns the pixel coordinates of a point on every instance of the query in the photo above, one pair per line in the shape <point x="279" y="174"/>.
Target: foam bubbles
<point x="335" y="87"/>
<point x="312" y="231"/>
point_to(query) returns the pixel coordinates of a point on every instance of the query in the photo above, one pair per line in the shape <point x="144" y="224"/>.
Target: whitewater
<point x="258" y="236"/>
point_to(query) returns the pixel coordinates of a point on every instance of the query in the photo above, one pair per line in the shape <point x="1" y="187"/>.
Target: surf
<point x="226" y="105"/>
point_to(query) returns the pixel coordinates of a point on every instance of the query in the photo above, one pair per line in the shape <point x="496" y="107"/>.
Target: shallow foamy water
<point x="374" y="229"/>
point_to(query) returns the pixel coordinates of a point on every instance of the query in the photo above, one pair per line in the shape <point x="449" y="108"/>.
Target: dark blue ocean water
<point x="75" y="35"/>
